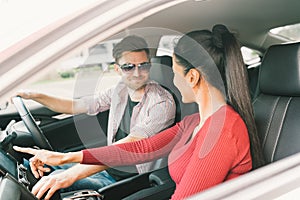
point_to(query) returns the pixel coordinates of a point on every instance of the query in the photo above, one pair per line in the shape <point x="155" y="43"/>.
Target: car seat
<point x="277" y="106"/>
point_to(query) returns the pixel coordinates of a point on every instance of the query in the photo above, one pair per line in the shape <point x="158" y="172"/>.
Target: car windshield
<point x="19" y="19"/>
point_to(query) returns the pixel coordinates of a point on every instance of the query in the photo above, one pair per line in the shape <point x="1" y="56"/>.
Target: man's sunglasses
<point x="128" y="67"/>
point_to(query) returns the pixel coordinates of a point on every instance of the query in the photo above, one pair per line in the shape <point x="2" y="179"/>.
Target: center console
<point x="14" y="182"/>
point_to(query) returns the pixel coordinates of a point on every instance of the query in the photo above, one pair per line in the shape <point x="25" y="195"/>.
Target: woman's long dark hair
<point x="219" y="51"/>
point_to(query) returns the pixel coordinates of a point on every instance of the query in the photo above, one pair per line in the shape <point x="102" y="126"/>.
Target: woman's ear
<point x="193" y="77"/>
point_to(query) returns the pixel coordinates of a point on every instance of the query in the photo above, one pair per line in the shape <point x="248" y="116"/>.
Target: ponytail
<point x="237" y="86"/>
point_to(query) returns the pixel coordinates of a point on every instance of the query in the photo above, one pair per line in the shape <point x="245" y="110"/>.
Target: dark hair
<point x="131" y="43"/>
<point x="218" y="58"/>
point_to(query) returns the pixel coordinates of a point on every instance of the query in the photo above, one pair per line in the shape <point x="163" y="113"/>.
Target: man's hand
<point x="56" y="181"/>
<point x="50" y="184"/>
<point x="25" y="94"/>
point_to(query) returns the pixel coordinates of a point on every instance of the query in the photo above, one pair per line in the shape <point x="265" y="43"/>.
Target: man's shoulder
<point x="155" y="89"/>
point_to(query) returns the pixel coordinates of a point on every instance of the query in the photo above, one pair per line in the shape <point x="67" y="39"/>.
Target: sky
<point x="19" y="18"/>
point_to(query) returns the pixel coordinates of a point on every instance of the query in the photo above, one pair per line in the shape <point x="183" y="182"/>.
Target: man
<point x="139" y="108"/>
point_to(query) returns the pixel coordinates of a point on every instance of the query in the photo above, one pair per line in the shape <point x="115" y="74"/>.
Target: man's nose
<point x="136" y="71"/>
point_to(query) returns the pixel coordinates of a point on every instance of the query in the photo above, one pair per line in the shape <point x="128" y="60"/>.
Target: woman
<point x="217" y="144"/>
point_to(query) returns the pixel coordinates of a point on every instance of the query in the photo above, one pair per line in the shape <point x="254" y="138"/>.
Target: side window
<point x="252" y="61"/>
<point x="167" y="44"/>
<point x="251" y="57"/>
<point x="83" y="73"/>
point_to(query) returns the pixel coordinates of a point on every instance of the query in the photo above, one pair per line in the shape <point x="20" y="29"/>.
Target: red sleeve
<point x="134" y="152"/>
<point x="214" y="167"/>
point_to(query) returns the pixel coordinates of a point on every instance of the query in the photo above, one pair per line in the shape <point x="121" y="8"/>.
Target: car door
<point x="64" y="132"/>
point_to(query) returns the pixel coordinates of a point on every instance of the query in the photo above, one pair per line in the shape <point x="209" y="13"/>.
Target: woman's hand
<point x="40" y="158"/>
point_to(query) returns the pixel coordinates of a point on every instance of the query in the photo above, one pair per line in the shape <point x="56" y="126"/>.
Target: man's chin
<point x="137" y="86"/>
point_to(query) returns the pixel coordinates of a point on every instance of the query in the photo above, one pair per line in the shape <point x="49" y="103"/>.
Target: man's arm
<point x="57" y="104"/>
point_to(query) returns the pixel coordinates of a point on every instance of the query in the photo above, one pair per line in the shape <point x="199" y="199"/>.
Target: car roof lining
<point x="258" y="17"/>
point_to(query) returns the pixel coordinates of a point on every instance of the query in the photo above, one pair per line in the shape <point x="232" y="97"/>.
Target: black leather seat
<point x="277" y="106"/>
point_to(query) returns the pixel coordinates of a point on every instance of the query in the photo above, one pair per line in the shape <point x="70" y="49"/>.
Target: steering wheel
<point x="37" y="134"/>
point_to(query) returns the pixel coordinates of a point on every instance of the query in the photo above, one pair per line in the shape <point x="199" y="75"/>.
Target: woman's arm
<point x="123" y="154"/>
<point x="137" y="152"/>
<point x="113" y="155"/>
<point x="42" y="157"/>
<point x="129" y="153"/>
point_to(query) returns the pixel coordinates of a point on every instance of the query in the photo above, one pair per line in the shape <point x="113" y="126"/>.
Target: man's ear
<point x="117" y="69"/>
<point x="193" y="77"/>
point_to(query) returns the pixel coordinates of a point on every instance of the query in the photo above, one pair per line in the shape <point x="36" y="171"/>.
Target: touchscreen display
<point x="8" y="164"/>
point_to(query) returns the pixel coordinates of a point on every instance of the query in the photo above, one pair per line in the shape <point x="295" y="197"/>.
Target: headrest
<point x="161" y="71"/>
<point x="162" y="68"/>
<point x="280" y="70"/>
<point x="162" y="60"/>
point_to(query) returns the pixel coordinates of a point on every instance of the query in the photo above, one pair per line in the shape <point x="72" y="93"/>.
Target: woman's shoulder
<point x="233" y="116"/>
<point x="235" y="124"/>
